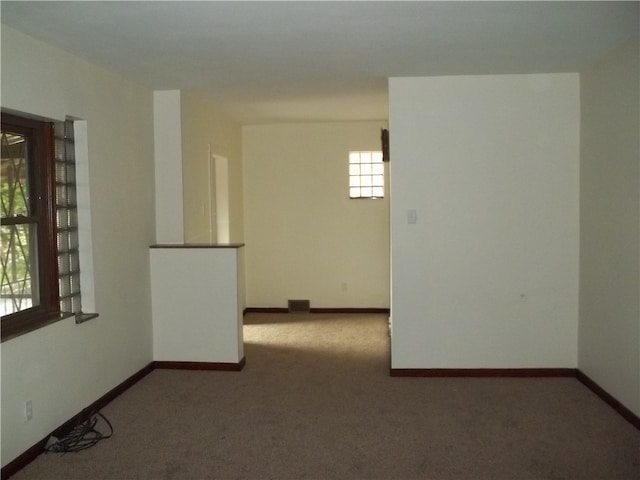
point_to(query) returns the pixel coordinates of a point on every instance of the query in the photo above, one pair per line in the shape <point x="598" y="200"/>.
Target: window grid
<point x="67" y="219"/>
<point x="366" y="174"/>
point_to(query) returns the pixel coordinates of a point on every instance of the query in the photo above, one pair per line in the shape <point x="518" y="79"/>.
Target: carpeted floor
<point x="315" y="401"/>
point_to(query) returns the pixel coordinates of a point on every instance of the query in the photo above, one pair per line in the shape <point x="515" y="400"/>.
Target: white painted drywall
<point x="221" y="195"/>
<point x="64" y="367"/>
<point x="609" y="328"/>
<point x="305" y="238"/>
<point x="206" y="132"/>
<point x="487" y="277"/>
<point x="197" y="315"/>
<point x="168" y="166"/>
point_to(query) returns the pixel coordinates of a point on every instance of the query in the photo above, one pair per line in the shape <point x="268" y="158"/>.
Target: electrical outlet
<point x="28" y="410"/>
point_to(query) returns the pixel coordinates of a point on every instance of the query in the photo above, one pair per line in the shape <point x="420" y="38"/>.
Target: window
<point x="28" y="285"/>
<point x="366" y="175"/>
<point x="39" y="252"/>
<point x="67" y="241"/>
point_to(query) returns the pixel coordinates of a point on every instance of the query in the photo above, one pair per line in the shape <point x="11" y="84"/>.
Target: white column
<point x="167" y="127"/>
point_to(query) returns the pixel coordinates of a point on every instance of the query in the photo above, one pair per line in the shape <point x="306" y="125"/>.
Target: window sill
<point x="9" y="334"/>
<point x="85" y="317"/>
<point x="48" y="320"/>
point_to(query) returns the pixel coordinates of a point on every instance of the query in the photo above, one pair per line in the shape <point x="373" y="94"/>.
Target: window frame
<point x="41" y="177"/>
<point x="370" y="175"/>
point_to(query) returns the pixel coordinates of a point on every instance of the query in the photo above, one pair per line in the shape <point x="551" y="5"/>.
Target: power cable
<point x="83" y="436"/>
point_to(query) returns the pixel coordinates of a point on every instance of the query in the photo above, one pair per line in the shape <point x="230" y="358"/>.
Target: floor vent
<point x="299" y="306"/>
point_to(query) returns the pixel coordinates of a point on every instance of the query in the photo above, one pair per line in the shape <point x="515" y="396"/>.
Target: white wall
<point x="205" y="131"/>
<point x="609" y="329"/>
<point x="167" y="128"/>
<point x="197" y="313"/>
<point x="305" y="238"/>
<point x="64" y="367"/>
<point x="488" y="276"/>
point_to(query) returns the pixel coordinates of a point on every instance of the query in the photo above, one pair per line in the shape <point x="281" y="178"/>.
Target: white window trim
<point x="85" y="233"/>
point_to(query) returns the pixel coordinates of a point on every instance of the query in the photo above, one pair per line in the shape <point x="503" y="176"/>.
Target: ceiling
<point x="271" y="61"/>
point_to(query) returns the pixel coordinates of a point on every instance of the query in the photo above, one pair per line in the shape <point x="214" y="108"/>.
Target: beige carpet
<point x="315" y="401"/>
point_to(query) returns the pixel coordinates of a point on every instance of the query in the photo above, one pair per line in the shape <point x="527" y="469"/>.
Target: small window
<point x="66" y="208"/>
<point x="366" y="175"/>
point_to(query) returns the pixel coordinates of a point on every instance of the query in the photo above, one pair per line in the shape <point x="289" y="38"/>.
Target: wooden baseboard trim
<point x="30" y="454"/>
<point x="523" y="372"/>
<point x="350" y="310"/>
<point x="317" y="310"/>
<point x="217" y="366"/>
<point x="609" y="399"/>
<point x="265" y="310"/>
<point x="483" y="372"/>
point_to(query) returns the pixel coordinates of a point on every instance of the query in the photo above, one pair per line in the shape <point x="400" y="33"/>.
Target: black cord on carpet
<point x="83" y="436"/>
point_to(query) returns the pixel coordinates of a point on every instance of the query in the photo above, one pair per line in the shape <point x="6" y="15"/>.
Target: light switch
<point x="412" y="216"/>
